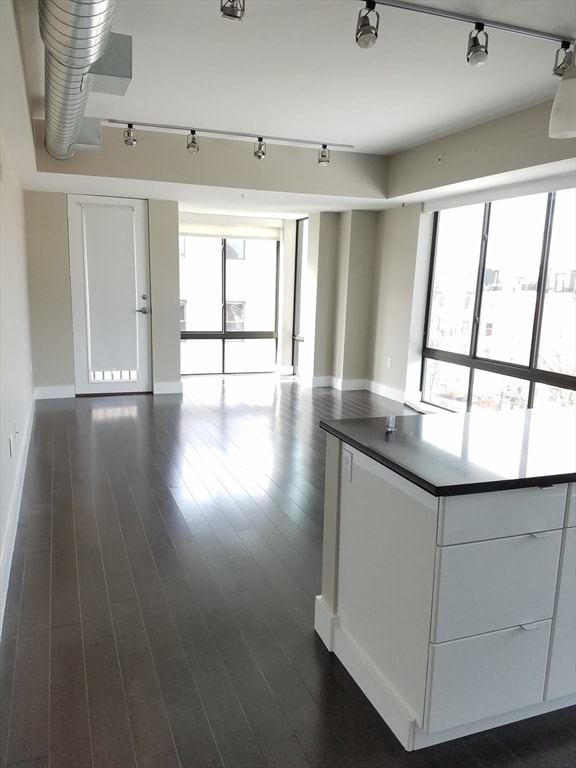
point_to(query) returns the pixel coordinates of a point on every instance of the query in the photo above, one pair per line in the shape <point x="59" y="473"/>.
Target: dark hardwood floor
<point x="160" y="608"/>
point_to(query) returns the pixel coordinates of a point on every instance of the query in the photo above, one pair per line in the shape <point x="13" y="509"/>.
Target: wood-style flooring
<point x="160" y="608"/>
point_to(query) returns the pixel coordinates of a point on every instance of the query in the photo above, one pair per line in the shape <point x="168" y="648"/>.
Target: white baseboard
<point x="385" y="391"/>
<point x="13" y="512"/>
<point x="324" y="622"/>
<point x="323" y="381"/>
<point x="53" y="393"/>
<point x="285" y="370"/>
<point x="167" y="387"/>
<point x="349" y="385"/>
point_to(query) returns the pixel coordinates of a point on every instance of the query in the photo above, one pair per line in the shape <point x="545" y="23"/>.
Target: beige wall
<point x="223" y="163"/>
<point x="16" y="396"/>
<point x="507" y="145"/>
<point x="50" y="296"/>
<point x="165" y="296"/>
<point x="394" y="282"/>
<point x="359" y="314"/>
<point x="323" y="253"/>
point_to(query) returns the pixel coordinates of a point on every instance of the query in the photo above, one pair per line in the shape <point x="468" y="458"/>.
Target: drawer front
<point x="495" y="515"/>
<point x="495" y="584"/>
<point x="479" y="677"/>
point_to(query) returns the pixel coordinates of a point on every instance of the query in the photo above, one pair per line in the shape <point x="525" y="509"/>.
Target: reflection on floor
<point x="161" y="601"/>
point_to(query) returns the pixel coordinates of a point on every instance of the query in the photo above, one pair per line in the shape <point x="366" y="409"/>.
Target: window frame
<point x="472" y="361"/>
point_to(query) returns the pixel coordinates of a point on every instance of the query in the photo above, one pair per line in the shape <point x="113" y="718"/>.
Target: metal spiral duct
<point x="75" y="35"/>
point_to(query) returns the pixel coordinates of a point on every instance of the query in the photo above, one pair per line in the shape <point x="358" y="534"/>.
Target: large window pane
<point x="200" y="356"/>
<point x="251" y="285"/>
<point x="250" y="355"/>
<point x="497" y="392"/>
<point x="557" y="350"/>
<point x="454" y="281"/>
<point x="446" y="385"/>
<point x="546" y="396"/>
<point x="200" y="283"/>
<point x="510" y="278"/>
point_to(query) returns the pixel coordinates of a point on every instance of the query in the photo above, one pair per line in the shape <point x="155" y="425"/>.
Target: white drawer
<point x="482" y="676"/>
<point x="494" y="584"/>
<point x="479" y="516"/>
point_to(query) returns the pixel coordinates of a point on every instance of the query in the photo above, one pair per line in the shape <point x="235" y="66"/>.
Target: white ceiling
<point x="291" y="68"/>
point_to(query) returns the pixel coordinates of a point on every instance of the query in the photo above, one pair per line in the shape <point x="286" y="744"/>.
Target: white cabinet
<point x="452" y="614"/>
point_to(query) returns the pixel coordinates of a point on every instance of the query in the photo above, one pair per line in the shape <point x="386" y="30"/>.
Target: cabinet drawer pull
<point x="541" y="534"/>
<point x="531" y="626"/>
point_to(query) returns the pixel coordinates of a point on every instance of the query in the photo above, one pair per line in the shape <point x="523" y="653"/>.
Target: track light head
<point x="130" y="139"/>
<point x="563" y="114"/>
<point x="562" y="64"/>
<point x="323" y="155"/>
<point x="192" y="144"/>
<point x="477" y="52"/>
<point x="260" y="149"/>
<point x="367" y="25"/>
<point x="233" y="9"/>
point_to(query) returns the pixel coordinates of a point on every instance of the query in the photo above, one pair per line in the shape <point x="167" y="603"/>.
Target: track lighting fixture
<point x="567" y="55"/>
<point x="477" y="52"/>
<point x="192" y="143"/>
<point x="563" y="115"/>
<point x="367" y="25"/>
<point x="323" y="155"/>
<point x="260" y="149"/>
<point x="129" y="136"/>
<point x="233" y="9"/>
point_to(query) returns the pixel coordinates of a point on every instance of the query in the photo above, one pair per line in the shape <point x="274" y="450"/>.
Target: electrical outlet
<point x="347" y="464"/>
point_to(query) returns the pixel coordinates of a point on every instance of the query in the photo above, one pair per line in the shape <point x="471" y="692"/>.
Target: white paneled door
<point x="110" y="280"/>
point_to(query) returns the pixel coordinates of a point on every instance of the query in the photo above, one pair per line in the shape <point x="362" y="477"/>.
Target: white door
<point x="110" y="280"/>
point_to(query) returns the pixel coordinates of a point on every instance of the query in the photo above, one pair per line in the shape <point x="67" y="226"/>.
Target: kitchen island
<point x="449" y="567"/>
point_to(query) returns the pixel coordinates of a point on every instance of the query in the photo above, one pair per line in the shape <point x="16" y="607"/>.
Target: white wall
<point x="16" y="395"/>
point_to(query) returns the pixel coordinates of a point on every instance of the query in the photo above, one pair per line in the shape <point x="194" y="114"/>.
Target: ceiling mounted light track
<point x="192" y="144"/>
<point x="260" y="149"/>
<point x="193" y="133"/>
<point x="477" y="52"/>
<point x="233" y="9"/>
<point x="129" y="136"/>
<point x="323" y="155"/>
<point x="367" y="25"/>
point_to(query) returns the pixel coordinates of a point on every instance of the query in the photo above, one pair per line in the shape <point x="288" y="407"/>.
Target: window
<point x="501" y="316"/>
<point x="228" y="304"/>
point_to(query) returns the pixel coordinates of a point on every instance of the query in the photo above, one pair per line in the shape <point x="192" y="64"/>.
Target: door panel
<point x="110" y="294"/>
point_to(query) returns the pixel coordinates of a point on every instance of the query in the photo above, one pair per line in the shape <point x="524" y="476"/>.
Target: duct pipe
<point x="75" y="35"/>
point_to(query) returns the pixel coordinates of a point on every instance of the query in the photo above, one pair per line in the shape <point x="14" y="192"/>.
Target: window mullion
<point x="480" y="283"/>
<point x="542" y="278"/>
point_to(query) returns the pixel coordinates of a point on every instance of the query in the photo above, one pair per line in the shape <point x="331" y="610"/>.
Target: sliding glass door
<point x="228" y="301"/>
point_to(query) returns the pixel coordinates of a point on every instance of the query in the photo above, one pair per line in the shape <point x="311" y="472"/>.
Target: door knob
<point x="143" y="311"/>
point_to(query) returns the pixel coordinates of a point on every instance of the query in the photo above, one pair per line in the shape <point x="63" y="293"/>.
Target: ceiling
<point x="291" y="68"/>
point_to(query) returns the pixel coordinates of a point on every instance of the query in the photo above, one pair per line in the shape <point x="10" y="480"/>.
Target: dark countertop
<point x="454" y="454"/>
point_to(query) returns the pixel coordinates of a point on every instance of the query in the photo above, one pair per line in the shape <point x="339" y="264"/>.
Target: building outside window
<point x="501" y="316"/>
